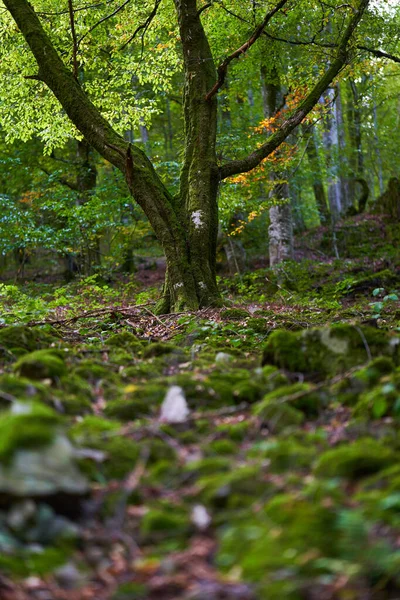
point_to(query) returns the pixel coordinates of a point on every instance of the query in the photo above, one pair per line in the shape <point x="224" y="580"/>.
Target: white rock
<point x="200" y="517"/>
<point x="174" y="408"/>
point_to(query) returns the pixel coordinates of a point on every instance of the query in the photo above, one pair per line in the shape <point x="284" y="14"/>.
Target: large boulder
<point x="329" y="350"/>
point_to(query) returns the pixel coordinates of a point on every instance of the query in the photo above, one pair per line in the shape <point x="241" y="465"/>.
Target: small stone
<point x="200" y="517"/>
<point x="223" y="358"/>
<point x="68" y="577"/>
<point x="174" y="408"/>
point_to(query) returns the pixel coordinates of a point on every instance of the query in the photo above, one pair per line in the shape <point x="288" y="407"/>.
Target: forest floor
<point x="281" y="479"/>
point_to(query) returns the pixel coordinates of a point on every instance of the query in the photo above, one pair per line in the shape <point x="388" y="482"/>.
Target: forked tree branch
<point x="251" y="161"/>
<point x="313" y="42"/>
<point x="223" y="67"/>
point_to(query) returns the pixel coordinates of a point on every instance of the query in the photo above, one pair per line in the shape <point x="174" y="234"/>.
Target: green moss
<point x="235" y="489"/>
<point x="31" y="425"/>
<point x="273" y="544"/>
<point x="125" y="340"/>
<point x="327" y="351"/>
<point x="41" y="364"/>
<point x="91" y="428"/>
<point x="222" y="447"/>
<point x="167" y="521"/>
<point x="159" y="349"/>
<point x="25" y="563"/>
<point x="277" y="414"/>
<point x="359" y="459"/>
<point x="247" y="391"/>
<point x="205" y="466"/>
<point x="28" y="339"/>
<point x="121" y="455"/>
<point x="236" y="432"/>
<point x="24" y="389"/>
<point x="258" y="324"/>
<point x="120" y="356"/>
<point x="94" y="371"/>
<point x="300" y="396"/>
<point x="130" y="591"/>
<point x="285" y="455"/>
<point x="208" y="392"/>
<point x="137" y="401"/>
<point x="381" y="401"/>
<point x="234" y="314"/>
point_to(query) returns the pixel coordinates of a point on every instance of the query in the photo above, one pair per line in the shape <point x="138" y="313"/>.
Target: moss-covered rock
<point x="285" y="455"/>
<point x="160" y="349"/>
<point x="358" y="459"/>
<point x="235" y="489"/>
<point x="236" y="432"/>
<point x="327" y="351"/>
<point x="163" y="521"/>
<point x="277" y="415"/>
<point x="125" y="340"/>
<point x="22" y="388"/>
<point x="136" y="401"/>
<point x="301" y="396"/>
<point x="26" y="425"/>
<point x="258" y="324"/>
<point x="36" y="458"/>
<point x="234" y="314"/>
<point x="383" y="400"/>
<point x="41" y="364"/>
<point x="221" y="447"/>
<point x="27" y="339"/>
<point x="94" y="371"/>
<point x="350" y="389"/>
<point x="278" y="542"/>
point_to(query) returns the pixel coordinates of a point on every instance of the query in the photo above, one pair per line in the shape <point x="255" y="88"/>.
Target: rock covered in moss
<point x="278" y="415"/>
<point x="285" y="454"/>
<point x="234" y="489"/>
<point x="36" y="458"/>
<point x="125" y="340"/>
<point x="329" y="350"/>
<point x="358" y="459"/>
<point x="300" y="396"/>
<point x="22" y="388"/>
<point x="234" y="314"/>
<point x="21" y="338"/>
<point x="136" y="401"/>
<point x="258" y="324"/>
<point x="167" y="520"/>
<point x="159" y="349"/>
<point x="381" y="401"/>
<point x="41" y="364"/>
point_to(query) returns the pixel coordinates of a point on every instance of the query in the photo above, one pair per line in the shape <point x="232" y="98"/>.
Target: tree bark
<point x="320" y="196"/>
<point x="280" y="231"/>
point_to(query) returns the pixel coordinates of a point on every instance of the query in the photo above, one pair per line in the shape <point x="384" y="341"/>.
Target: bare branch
<point x="223" y="67"/>
<point x="203" y="8"/>
<point x="275" y="140"/>
<point x="313" y="42"/>
<point x="380" y="54"/>
<point x="115" y="12"/>
<point x="74" y="39"/>
<point x="144" y="25"/>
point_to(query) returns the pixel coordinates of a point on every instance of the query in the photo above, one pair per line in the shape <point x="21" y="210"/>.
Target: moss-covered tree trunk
<point x="196" y="203"/>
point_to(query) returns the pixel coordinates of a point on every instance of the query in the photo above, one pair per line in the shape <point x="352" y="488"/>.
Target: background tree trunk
<point x="280" y="230"/>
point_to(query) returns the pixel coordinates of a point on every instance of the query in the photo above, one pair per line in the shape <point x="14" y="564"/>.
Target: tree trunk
<point x="196" y="204"/>
<point x="331" y="144"/>
<point x="321" y="199"/>
<point x="281" y="222"/>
